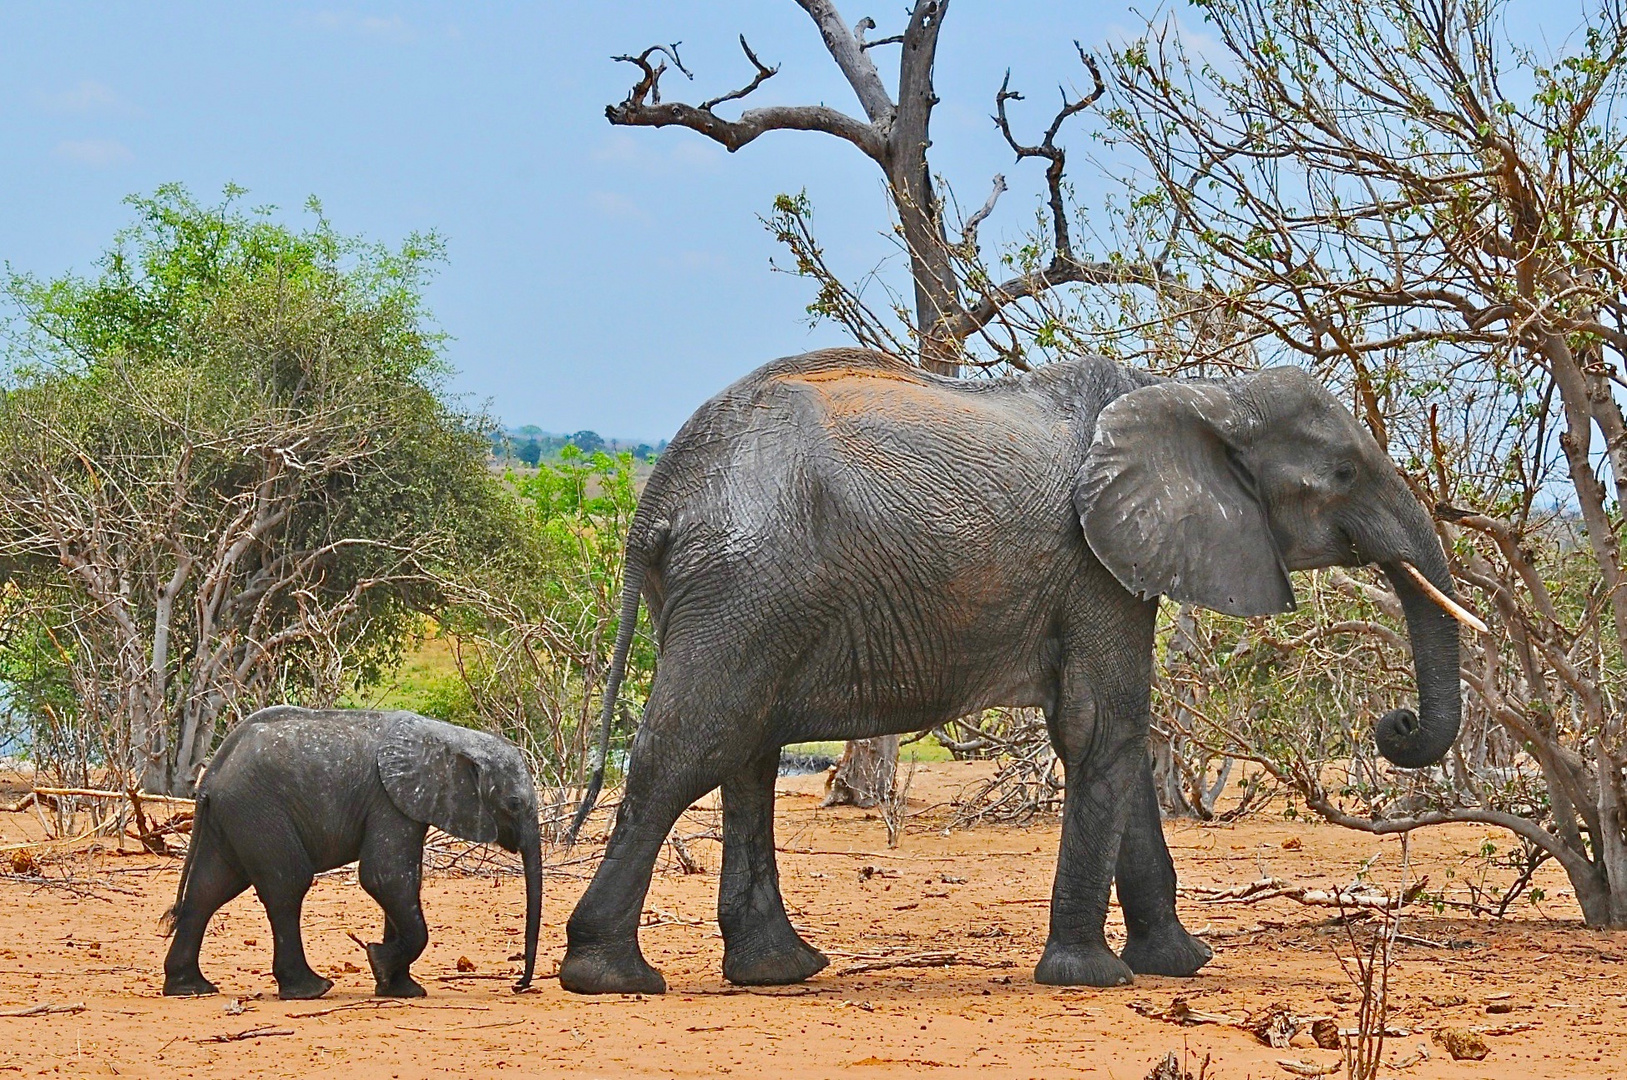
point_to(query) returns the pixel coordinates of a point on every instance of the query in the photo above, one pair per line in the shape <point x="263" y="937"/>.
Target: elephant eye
<point x="1344" y="473"/>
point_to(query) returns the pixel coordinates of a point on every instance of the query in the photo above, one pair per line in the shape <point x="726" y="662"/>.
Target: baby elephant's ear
<point x="431" y="771"/>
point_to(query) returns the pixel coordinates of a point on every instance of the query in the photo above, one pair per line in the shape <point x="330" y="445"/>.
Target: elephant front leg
<point x="1158" y="943"/>
<point x="1094" y="813"/>
<point x="390" y="871"/>
<point x="760" y="947"/>
<point x="1099" y="729"/>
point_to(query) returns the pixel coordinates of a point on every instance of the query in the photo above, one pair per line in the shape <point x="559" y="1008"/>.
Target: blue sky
<point x="598" y="277"/>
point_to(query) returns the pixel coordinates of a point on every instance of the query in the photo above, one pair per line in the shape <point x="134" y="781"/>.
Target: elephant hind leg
<point x="282" y="873"/>
<point x="674" y="761"/>
<point x="211" y="884"/>
<point x="760" y="947"/>
<point x="1158" y="943"/>
<point x="390" y="871"/>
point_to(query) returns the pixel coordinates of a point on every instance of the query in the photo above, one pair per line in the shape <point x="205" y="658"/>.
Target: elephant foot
<point x="779" y="963"/>
<point x="594" y="971"/>
<point x="189" y="985"/>
<point x="303" y="988"/>
<point x="1081" y="965"/>
<point x="1169" y="950"/>
<point x="402" y="986"/>
<point x="387" y="980"/>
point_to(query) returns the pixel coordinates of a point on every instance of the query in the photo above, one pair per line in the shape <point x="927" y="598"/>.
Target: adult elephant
<point x="840" y="546"/>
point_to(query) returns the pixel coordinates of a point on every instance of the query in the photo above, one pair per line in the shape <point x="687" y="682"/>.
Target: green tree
<point x="533" y="632"/>
<point x="228" y="477"/>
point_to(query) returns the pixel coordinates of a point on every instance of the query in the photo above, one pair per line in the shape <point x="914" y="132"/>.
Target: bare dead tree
<point x="956" y="296"/>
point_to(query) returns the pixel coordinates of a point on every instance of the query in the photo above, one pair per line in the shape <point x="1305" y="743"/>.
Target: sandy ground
<point x="979" y="895"/>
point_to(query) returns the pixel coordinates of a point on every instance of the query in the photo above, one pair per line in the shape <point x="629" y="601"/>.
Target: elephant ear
<point x="1169" y="508"/>
<point x="431" y="771"/>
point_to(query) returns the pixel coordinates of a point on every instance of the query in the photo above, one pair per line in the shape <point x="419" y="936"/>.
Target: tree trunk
<point x="864" y="776"/>
<point x="1166" y="778"/>
<point x="909" y="176"/>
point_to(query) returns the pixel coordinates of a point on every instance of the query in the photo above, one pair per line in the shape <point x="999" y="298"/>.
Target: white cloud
<point x="689" y="154"/>
<point x="391" y="28"/>
<point x="88" y="98"/>
<point x="96" y="153"/>
<point x="613" y="204"/>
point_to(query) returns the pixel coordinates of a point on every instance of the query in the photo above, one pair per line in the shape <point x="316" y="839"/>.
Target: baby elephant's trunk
<point x="531" y="856"/>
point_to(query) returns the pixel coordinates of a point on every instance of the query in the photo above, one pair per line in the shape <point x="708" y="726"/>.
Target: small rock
<point x="1463" y="1045"/>
<point x="1326" y="1033"/>
<point x="465" y="964"/>
<point x="1499" y="1007"/>
<point x="234" y="1007"/>
<point x="251" y="941"/>
<point x="1293" y="843"/>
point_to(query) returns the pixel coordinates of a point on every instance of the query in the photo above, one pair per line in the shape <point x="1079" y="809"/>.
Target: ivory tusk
<point x="1453" y="608"/>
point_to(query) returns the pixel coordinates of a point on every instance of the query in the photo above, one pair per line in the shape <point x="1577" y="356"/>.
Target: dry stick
<point x="922" y="960"/>
<point x="251" y="1033"/>
<point x="46" y="1010"/>
<point x="98" y="793"/>
<point x="1277" y="888"/>
<point x="386" y="1004"/>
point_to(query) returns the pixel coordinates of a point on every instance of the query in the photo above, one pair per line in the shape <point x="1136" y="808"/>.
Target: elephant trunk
<point x="531" y="858"/>
<point x="1416" y="740"/>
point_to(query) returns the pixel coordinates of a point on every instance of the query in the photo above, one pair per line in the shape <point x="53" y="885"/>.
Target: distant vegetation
<point x="530" y="445"/>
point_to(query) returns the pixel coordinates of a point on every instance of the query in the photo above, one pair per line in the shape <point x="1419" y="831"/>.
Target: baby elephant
<point x="292" y="792"/>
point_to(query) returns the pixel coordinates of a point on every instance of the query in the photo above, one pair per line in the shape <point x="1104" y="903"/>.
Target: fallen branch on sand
<point x="1179" y="1012"/>
<point x="384" y="1003"/>
<point x="251" y="1033"/>
<point x="918" y="960"/>
<point x="45" y="1009"/>
<point x="1356" y="896"/>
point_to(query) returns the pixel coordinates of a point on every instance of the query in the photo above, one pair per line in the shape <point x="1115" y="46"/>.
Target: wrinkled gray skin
<point x="840" y="546"/>
<point x="292" y="792"/>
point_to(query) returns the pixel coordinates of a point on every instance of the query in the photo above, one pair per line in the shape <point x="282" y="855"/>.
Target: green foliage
<point x="254" y="480"/>
<point x="533" y="632"/>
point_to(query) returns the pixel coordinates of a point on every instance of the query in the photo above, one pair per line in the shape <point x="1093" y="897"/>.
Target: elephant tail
<point x="632" y="587"/>
<point x="200" y="814"/>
